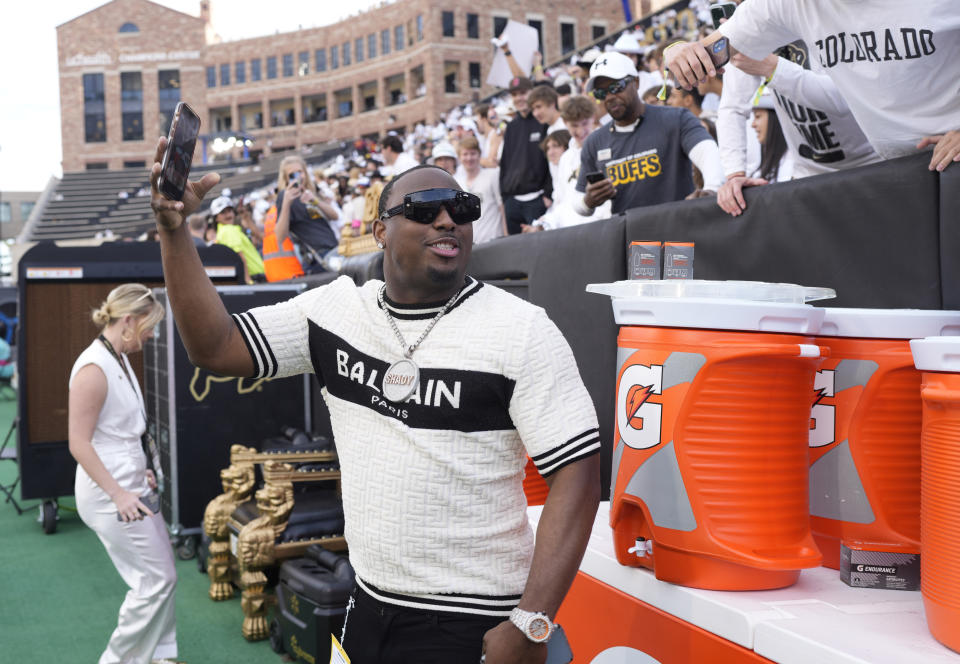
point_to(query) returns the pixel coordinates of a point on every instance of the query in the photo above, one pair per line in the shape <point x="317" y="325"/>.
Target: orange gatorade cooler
<point x="710" y="454"/>
<point x="865" y="429"/>
<point x="939" y="359"/>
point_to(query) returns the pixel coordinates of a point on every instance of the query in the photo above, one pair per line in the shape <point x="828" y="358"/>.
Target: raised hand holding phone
<point x="171" y="213"/>
<point x="178" y="156"/>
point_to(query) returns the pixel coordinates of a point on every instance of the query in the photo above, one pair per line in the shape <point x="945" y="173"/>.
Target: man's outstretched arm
<point x="208" y="332"/>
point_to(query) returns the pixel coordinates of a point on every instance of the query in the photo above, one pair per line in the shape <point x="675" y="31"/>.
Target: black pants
<point x="379" y="633"/>
<point x="522" y="212"/>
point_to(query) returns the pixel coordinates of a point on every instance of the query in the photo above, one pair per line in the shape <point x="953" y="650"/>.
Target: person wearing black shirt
<point x="301" y="213"/>
<point x="524" y="172"/>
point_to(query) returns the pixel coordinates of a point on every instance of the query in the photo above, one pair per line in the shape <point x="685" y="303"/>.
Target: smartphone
<point x="721" y="10"/>
<point x="175" y="167"/>
<point x="596" y="176"/>
<point x="152" y="502"/>
<point x="720" y="52"/>
<point x="558" y="648"/>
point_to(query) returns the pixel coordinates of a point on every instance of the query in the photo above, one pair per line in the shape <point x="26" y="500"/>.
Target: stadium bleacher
<point x="86" y="203"/>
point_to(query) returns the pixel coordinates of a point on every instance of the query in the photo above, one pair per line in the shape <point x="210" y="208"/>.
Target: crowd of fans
<point x="605" y="132"/>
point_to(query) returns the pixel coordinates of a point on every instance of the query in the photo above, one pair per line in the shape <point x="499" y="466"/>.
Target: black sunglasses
<point x="614" y="88"/>
<point x="424" y="206"/>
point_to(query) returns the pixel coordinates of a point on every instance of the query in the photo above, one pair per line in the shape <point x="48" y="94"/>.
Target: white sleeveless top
<point x="121" y="420"/>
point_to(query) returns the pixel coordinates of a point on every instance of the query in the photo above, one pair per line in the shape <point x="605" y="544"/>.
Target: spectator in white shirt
<point x="485" y="183"/>
<point x="395" y="159"/>
<point x="776" y="161"/>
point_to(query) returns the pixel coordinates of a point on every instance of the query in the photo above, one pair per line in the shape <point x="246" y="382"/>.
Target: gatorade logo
<point x="639" y="414"/>
<point x="823" y="416"/>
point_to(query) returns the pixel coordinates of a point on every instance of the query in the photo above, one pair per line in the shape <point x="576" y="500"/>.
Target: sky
<point x="30" y="150"/>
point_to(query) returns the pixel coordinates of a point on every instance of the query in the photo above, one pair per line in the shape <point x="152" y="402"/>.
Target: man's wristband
<point x="506" y="52"/>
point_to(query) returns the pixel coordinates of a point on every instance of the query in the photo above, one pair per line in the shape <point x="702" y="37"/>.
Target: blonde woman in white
<point x="106" y="421"/>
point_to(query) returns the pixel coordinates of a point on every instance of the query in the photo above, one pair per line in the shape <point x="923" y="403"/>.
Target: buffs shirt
<point x="648" y="165"/>
<point x="436" y="516"/>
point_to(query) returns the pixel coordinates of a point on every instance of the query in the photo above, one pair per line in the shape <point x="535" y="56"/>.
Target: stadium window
<point x="96" y="165"/>
<point x="240" y="72"/>
<point x="474" y="74"/>
<point x="303" y="63"/>
<point x="419" y="27"/>
<point x="168" y="94"/>
<point x="499" y="25"/>
<point x="288" y="64"/>
<point x="597" y="32"/>
<point x="344" y="101"/>
<point x="255" y="69"/>
<point x="94" y="109"/>
<point x="368" y="96"/>
<point x="398" y="38"/>
<point x="568" y="37"/>
<point x="272" y="66"/>
<point x="358" y="49"/>
<point x="537" y="25"/>
<point x="447" y="23"/>
<point x="385" y="42"/>
<point x="225" y="74"/>
<point x="334" y="58"/>
<point x="211" y="77"/>
<point x="320" y="59"/>
<point x="473" y="26"/>
<point x="135" y="164"/>
<point x="371" y="46"/>
<point x="345" y="51"/>
<point x="26" y="207"/>
<point x="450" y="70"/>
<point x="129" y="27"/>
<point x="5" y="212"/>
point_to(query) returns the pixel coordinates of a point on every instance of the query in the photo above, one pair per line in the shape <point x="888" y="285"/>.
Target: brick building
<point x="122" y="72"/>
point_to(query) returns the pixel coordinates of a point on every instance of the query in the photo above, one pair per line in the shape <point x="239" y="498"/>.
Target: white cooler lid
<point x="937" y="354"/>
<point x="703" y="313"/>
<point x="752" y="306"/>
<point x="890" y="323"/>
<point x="755" y="291"/>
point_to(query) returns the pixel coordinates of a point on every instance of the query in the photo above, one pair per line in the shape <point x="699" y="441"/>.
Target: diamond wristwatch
<point x="536" y="626"/>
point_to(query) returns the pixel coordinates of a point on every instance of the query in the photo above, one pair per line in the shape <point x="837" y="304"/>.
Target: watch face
<point x="538" y="629"/>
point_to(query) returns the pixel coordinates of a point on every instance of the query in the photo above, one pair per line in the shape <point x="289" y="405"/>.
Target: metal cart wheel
<point x="48" y="516"/>
<point x="187" y="547"/>
<point x="276" y="637"/>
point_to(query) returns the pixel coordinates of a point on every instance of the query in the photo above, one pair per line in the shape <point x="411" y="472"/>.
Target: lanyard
<point x="123" y="365"/>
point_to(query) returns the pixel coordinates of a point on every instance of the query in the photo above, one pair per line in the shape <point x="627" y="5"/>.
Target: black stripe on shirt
<point x="485" y="605"/>
<point x="578" y="447"/>
<point x="430" y="309"/>
<point x="256" y="344"/>
<point x="446" y="399"/>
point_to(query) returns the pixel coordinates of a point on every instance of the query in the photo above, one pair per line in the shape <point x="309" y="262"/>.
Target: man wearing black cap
<point x="524" y="172"/>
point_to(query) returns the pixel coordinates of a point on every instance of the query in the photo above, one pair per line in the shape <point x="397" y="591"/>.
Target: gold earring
<point x="126" y="335"/>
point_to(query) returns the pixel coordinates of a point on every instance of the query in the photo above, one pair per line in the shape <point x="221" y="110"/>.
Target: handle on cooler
<point x="812" y="351"/>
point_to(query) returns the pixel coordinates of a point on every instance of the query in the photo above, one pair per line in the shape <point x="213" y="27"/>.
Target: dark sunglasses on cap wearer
<point x="614" y="88"/>
<point x="424" y="206"/>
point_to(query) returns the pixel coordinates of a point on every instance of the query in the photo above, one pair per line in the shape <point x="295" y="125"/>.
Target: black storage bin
<point x="311" y="604"/>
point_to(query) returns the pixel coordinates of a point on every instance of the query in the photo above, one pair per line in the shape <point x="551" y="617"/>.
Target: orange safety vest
<point x="278" y="264"/>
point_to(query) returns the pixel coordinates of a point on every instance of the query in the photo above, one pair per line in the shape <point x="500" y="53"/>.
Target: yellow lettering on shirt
<point x="634" y="169"/>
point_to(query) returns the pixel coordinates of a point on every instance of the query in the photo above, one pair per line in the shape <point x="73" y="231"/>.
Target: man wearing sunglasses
<point x="643" y="157"/>
<point x="438" y="388"/>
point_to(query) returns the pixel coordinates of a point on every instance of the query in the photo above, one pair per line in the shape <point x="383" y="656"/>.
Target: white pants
<point x="141" y="552"/>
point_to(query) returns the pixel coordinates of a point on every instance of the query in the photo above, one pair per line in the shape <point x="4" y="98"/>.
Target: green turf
<point x="59" y="594"/>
